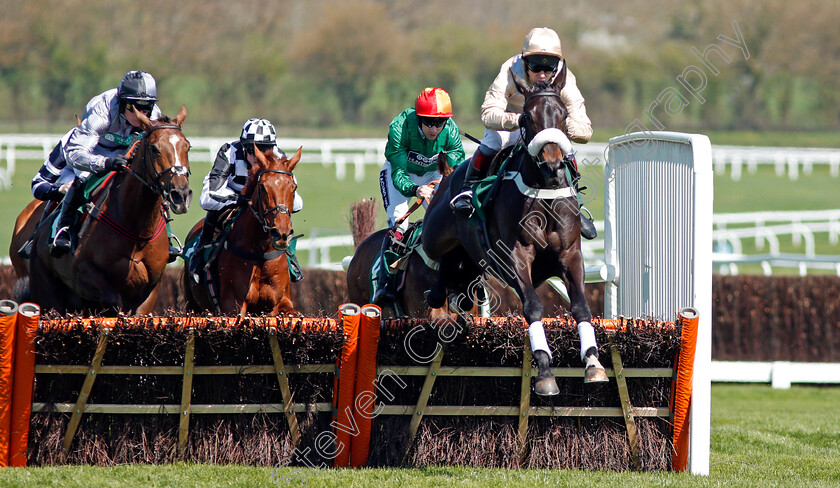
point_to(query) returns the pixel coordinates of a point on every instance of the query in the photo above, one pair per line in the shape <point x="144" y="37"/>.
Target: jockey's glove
<point x="241" y="200"/>
<point x="117" y="163"/>
<point x="55" y="195"/>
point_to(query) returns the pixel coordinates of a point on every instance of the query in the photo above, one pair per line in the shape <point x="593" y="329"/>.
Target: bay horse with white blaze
<point x="251" y="272"/>
<point x="122" y="247"/>
<point x="532" y="228"/>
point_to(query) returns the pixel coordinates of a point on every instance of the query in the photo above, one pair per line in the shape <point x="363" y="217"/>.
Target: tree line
<point x="324" y="64"/>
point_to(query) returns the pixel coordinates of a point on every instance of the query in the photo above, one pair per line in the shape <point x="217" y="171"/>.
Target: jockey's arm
<point x="215" y="193"/>
<point x="396" y="152"/>
<point x="79" y="150"/>
<point x="454" y="147"/>
<point x="494" y="114"/>
<point x="578" y="125"/>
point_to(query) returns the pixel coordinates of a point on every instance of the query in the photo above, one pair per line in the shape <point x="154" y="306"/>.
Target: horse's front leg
<point x="91" y="281"/>
<point x="533" y="310"/>
<point x="148" y="305"/>
<point x="574" y="276"/>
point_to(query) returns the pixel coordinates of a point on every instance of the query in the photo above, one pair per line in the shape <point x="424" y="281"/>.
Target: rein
<point x="414" y="206"/>
<point x="99" y="215"/>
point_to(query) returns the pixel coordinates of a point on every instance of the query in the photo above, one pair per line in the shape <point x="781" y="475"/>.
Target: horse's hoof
<point x="546" y="387"/>
<point x="594" y="372"/>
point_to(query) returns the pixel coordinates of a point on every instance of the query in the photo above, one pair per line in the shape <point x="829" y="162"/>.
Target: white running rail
<point x="354" y="154"/>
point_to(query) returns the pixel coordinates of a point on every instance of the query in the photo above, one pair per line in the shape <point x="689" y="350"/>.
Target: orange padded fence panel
<point x="8" y="322"/>
<point x="24" y="372"/>
<point x="681" y="391"/>
<point x="343" y="418"/>
<point x="365" y="392"/>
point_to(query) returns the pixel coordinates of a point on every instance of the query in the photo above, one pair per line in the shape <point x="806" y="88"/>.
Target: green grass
<point x="760" y="437"/>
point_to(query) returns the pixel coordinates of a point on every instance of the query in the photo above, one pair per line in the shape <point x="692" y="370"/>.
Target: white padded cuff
<point x="587" y="338"/>
<point x="536" y="334"/>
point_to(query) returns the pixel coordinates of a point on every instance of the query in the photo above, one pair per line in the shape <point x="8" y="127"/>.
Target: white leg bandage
<point x="536" y="334"/>
<point x="587" y="338"/>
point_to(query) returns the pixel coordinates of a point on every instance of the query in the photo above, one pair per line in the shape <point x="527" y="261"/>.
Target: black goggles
<point x="146" y="108"/>
<point x="433" y="121"/>
<point x="249" y="147"/>
<point x="541" y="68"/>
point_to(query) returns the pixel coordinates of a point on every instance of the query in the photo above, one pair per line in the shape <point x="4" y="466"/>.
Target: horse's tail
<point x="362" y="219"/>
<point x="21" y="291"/>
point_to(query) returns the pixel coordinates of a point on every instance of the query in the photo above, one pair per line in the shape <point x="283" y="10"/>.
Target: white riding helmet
<point x="542" y="40"/>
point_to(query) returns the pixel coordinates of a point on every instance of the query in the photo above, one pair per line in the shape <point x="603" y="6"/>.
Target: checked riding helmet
<point x="541" y="49"/>
<point x="433" y="103"/>
<point x="260" y="132"/>
<point x="137" y="88"/>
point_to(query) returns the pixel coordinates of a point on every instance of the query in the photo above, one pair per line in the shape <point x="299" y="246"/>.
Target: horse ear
<point x="560" y="80"/>
<point x="293" y="161"/>
<point x="145" y="122"/>
<point x="520" y="83"/>
<point x="182" y="115"/>
<point x="261" y="159"/>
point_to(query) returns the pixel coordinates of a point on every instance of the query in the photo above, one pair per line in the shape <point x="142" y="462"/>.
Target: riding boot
<point x="382" y="293"/>
<point x="62" y="242"/>
<point x="461" y="204"/>
<point x="207" y="230"/>
<point x="295" y="271"/>
<point x="587" y="226"/>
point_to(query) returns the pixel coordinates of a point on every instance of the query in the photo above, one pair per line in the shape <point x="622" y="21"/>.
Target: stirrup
<point x="174" y="253"/>
<point x="587" y="224"/>
<point x="461" y="204"/>
<point x="58" y="245"/>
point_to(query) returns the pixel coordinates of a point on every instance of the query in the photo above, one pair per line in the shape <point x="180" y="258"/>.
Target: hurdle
<point x="658" y="199"/>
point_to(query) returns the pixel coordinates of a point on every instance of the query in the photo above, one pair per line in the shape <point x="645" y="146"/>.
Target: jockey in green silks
<point x="416" y="139"/>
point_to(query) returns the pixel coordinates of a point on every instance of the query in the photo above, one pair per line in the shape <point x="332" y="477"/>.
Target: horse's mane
<point x="163" y="119"/>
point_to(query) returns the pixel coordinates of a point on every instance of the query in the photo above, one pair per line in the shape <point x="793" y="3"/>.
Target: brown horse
<point x="531" y="231"/>
<point x="251" y="273"/>
<point x="122" y="247"/>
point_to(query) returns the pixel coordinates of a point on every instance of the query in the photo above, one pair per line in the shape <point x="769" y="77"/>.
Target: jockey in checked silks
<point x="97" y="145"/>
<point x="223" y="185"/>
<point x="539" y="61"/>
<point x="417" y="138"/>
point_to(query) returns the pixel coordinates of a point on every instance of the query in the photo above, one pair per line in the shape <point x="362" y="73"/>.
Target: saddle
<point x="396" y="257"/>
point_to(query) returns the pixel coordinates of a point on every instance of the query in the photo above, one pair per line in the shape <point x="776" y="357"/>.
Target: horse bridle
<point x="262" y="216"/>
<point x="542" y="165"/>
<point x="157" y="186"/>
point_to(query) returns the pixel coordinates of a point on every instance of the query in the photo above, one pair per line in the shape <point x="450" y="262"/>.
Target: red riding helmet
<point x="433" y="102"/>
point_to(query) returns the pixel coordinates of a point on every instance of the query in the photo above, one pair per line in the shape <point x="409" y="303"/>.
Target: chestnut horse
<point x="122" y="247"/>
<point x="531" y="232"/>
<point x="251" y="273"/>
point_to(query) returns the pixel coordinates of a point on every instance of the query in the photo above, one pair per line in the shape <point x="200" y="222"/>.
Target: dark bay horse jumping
<point x="532" y="230"/>
<point x="252" y="272"/>
<point x="122" y="247"/>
